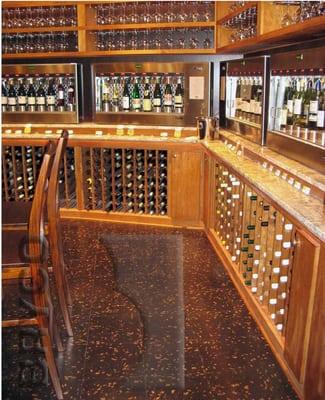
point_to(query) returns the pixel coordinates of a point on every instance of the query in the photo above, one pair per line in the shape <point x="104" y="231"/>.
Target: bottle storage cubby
<point x="260" y="241"/>
<point x="40" y="93"/>
<point x="297" y="105"/>
<point x="131" y="92"/>
<point x="20" y="170"/>
<point x="244" y="83"/>
<point x="126" y="180"/>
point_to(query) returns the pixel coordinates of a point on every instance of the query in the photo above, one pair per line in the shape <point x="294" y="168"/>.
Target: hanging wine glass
<point x="207" y="44"/>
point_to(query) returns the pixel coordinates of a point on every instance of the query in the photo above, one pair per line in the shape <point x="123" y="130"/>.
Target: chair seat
<point x="15" y="212"/>
<point x="14" y="248"/>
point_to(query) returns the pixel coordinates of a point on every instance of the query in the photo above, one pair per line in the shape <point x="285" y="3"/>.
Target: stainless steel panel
<point x="64" y="117"/>
<point x="308" y="154"/>
<point x="192" y="108"/>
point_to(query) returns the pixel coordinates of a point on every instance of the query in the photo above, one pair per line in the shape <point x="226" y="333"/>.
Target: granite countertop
<point x="106" y="137"/>
<point x="294" y="167"/>
<point x="309" y="211"/>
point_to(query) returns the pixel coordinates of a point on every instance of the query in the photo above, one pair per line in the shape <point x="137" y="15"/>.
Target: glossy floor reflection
<point x="155" y="317"/>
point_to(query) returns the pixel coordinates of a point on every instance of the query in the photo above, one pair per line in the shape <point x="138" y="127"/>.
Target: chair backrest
<point x="36" y="237"/>
<point x="53" y="203"/>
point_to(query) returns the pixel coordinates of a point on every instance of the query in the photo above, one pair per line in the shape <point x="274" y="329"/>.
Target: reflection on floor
<point x="155" y="317"/>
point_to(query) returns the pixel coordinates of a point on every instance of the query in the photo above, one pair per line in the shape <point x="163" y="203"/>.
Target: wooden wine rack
<point x="20" y="169"/>
<point x="125" y="180"/>
<point x="259" y="240"/>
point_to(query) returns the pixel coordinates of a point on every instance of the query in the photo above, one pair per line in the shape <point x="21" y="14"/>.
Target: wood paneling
<point x="186" y="189"/>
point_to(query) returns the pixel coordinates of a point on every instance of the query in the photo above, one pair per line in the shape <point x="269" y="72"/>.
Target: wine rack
<point x="126" y="180"/>
<point x="260" y="241"/>
<point x="20" y="170"/>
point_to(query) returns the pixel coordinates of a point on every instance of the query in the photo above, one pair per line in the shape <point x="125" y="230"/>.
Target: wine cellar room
<point x="163" y="191"/>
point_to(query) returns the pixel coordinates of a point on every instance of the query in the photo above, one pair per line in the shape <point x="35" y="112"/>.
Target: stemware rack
<point x="157" y="27"/>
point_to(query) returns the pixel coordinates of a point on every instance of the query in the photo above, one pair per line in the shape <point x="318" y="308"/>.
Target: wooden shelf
<point x="307" y="30"/>
<point x="95" y="53"/>
<point x="46" y="29"/>
<point x="163" y="25"/>
<point x="236" y="12"/>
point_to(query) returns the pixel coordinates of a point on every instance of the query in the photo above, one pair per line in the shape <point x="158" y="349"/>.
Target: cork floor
<point x="155" y="317"/>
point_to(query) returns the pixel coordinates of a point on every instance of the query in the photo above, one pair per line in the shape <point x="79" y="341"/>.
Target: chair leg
<point x="49" y="355"/>
<point x="67" y="290"/>
<point x="57" y="337"/>
<point x="60" y="284"/>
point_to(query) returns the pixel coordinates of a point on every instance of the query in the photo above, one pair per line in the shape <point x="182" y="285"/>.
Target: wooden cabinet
<point x="302" y="293"/>
<point x="186" y="190"/>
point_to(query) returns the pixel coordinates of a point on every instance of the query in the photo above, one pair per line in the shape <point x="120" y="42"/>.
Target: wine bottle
<point x="31" y="96"/>
<point x="22" y="96"/>
<point x="115" y="96"/>
<point x="168" y="96"/>
<point x="179" y="96"/>
<point x="284" y="109"/>
<point x="12" y="97"/>
<point x="157" y="99"/>
<point x="313" y="105"/>
<point x="50" y="97"/>
<point x="105" y="95"/>
<point x="238" y="99"/>
<point x="126" y="96"/>
<point x="61" y="101"/>
<point x="297" y="103"/>
<point x="136" y="101"/>
<point x="146" y="96"/>
<point x="71" y="96"/>
<point x="4" y="98"/>
<point x="290" y="100"/>
<point x="321" y="109"/>
<point x="306" y="103"/>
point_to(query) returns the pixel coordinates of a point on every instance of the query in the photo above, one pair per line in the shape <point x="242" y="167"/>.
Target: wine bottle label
<point x="157" y="102"/>
<point x="258" y="107"/>
<point x="178" y="101"/>
<point x="22" y="100"/>
<point x="126" y="103"/>
<point x="146" y="105"/>
<point x="12" y="101"/>
<point x="290" y="106"/>
<point x="136" y="103"/>
<point x="31" y="100"/>
<point x="4" y="100"/>
<point x="61" y="95"/>
<point x="320" y="119"/>
<point x="40" y="101"/>
<point x="50" y="100"/>
<point x="168" y="100"/>
<point x="238" y="103"/>
<point x="313" y="106"/>
<point x="313" y="117"/>
<point x="252" y="106"/>
<point x="297" y="106"/>
<point x="283" y="116"/>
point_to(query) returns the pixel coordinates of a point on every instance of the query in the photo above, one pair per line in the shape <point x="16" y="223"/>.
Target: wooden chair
<point x="15" y="217"/>
<point x="21" y="266"/>
<point x="55" y="238"/>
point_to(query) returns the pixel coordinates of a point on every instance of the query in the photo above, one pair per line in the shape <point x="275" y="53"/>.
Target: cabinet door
<point x="315" y="371"/>
<point x="302" y="292"/>
<point x="186" y="187"/>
